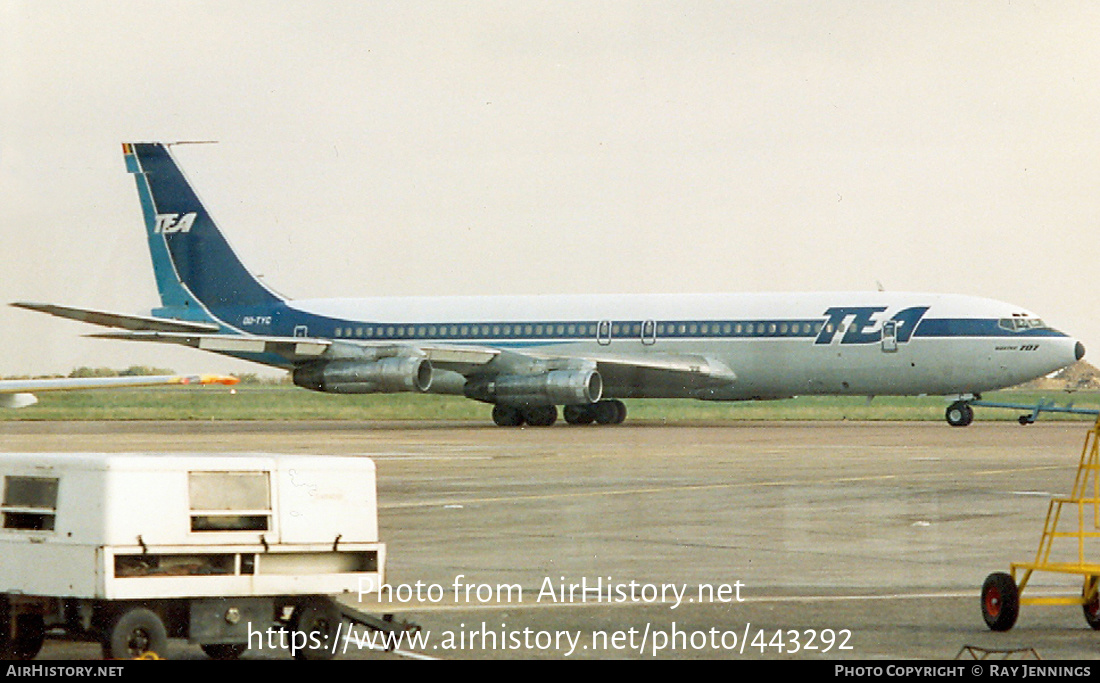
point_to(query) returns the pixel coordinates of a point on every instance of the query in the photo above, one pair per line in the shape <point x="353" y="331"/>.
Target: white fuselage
<point x="776" y="345"/>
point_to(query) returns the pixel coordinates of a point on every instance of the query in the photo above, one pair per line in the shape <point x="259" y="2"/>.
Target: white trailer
<point x="132" y="549"/>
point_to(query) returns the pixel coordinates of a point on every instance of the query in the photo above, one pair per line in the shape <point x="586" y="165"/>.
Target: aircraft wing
<point x="16" y="393"/>
<point x="704" y="376"/>
<point x="298" y="350"/>
<point x="690" y="374"/>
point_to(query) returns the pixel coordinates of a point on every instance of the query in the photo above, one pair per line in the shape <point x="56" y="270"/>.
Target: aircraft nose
<point x="1079" y="350"/>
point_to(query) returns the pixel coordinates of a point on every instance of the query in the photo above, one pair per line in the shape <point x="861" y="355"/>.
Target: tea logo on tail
<point x="168" y="223"/>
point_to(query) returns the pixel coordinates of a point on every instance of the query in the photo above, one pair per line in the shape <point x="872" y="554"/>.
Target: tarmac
<point x="732" y="540"/>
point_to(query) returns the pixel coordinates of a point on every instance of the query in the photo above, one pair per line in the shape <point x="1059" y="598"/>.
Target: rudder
<point x="195" y="266"/>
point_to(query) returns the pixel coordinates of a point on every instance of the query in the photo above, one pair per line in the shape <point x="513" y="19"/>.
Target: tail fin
<point x="196" y="270"/>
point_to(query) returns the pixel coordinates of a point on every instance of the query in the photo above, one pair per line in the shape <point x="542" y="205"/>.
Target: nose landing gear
<point x="959" y="414"/>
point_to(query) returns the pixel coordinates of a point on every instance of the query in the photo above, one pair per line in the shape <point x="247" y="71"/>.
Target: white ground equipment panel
<point x="131" y="549"/>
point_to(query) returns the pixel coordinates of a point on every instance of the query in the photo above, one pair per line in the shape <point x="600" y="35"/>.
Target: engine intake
<point x="384" y="376"/>
<point x="557" y="387"/>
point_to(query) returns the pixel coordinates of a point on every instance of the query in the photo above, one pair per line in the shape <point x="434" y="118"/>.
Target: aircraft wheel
<point x="1025" y="420"/>
<point x="620" y="409"/>
<point x="959" y="414"/>
<point x="1000" y="601"/>
<point x="541" y="416"/>
<point x="578" y="415"/>
<point x="507" y="416"/>
<point x="611" y="412"/>
<point x="135" y="633"/>
<point x="1092" y="606"/>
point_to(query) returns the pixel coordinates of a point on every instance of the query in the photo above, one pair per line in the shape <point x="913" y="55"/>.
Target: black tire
<point x="224" y="651"/>
<point x="7" y="651"/>
<point x="578" y="415"/>
<point x="620" y="409"/>
<point x="135" y="633"/>
<point x="1091" y="607"/>
<point x="1000" y="601"/>
<point x="959" y="414"/>
<point x="507" y="416"/>
<point x="608" y="412"/>
<point x="313" y="625"/>
<point x="541" y="416"/>
<point x="26" y="642"/>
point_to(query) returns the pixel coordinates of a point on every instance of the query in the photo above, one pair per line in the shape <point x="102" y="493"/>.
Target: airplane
<point x="16" y="393"/>
<point x="526" y="356"/>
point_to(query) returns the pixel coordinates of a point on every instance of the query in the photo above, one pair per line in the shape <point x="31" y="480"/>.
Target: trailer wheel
<point x="134" y="633"/>
<point x="313" y="625"/>
<point x="1091" y="606"/>
<point x="1000" y="601"/>
<point x="224" y="651"/>
<point x="26" y="641"/>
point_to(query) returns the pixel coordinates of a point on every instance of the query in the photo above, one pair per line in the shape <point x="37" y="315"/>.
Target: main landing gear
<point x="610" y="412"/>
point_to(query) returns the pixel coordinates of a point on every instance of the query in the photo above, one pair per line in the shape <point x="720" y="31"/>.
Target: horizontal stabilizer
<point x="128" y="322"/>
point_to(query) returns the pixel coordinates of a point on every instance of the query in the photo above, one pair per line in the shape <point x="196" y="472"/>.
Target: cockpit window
<point x="1020" y="324"/>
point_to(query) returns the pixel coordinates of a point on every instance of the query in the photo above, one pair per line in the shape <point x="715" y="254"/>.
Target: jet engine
<point x="556" y="387"/>
<point x="383" y="376"/>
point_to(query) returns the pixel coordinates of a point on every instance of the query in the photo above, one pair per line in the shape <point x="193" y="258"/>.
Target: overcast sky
<point x="390" y="148"/>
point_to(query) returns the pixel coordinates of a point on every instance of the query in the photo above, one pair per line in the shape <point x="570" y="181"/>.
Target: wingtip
<point x="228" y="380"/>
